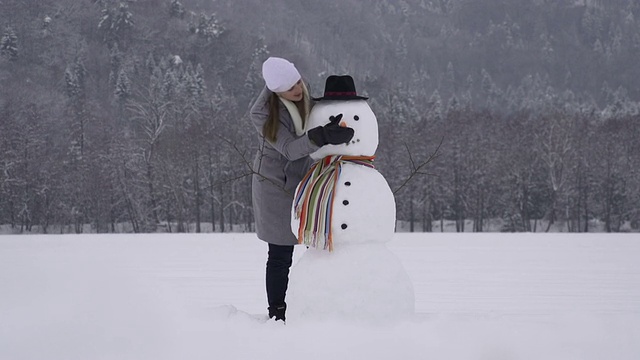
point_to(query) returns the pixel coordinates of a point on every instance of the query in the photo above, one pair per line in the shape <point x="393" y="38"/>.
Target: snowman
<point x="344" y="211"/>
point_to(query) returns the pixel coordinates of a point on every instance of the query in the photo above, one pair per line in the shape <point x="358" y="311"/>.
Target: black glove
<point x="332" y="133"/>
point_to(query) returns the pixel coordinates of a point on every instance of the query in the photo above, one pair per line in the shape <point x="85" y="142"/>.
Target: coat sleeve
<point x="287" y="143"/>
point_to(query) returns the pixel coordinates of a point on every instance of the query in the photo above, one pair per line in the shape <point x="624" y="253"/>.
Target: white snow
<point x="477" y="296"/>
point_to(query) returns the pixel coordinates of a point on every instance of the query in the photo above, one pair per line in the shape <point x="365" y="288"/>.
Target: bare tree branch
<point x="247" y="163"/>
<point x="416" y="169"/>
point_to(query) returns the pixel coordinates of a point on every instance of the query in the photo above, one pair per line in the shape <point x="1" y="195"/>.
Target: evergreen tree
<point x="9" y="44"/>
<point x="450" y="79"/>
<point x="116" y="58"/>
<point x="123" y="86"/>
<point x="435" y="107"/>
<point x="401" y="48"/>
<point x="176" y="9"/>
<point x="489" y="89"/>
<point x="116" y="23"/>
<point x="207" y="27"/>
<point x="199" y="86"/>
<point x="75" y="76"/>
<point x="253" y="80"/>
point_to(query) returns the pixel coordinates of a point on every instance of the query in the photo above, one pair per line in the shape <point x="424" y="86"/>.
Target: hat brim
<point x="341" y="97"/>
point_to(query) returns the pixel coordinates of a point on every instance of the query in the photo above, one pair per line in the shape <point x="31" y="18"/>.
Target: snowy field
<point x="477" y="296"/>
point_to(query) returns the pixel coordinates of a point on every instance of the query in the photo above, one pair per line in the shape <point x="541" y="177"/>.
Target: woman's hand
<point x="333" y="133"/>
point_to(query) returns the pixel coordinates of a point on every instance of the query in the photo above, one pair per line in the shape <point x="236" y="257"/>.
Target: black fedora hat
<point x="340" y="87"/>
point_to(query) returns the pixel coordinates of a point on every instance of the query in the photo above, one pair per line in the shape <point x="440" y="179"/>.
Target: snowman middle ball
<point x="363" y="204"/>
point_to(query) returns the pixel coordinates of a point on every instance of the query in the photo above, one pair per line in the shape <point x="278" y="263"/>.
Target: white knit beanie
<point x="279" y="74"/>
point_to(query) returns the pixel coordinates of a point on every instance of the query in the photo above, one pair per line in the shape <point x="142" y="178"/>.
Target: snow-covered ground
<point x="477" y="296"/>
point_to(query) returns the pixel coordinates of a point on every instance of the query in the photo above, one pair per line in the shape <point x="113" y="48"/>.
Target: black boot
<point x="277" y="279"/>
<point x="277" y="312"/>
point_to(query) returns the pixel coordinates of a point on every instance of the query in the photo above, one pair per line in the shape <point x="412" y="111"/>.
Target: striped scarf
<point x="313" y="202"/>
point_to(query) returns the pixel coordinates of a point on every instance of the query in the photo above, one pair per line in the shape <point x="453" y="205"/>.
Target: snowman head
<point x="340" y="97"/>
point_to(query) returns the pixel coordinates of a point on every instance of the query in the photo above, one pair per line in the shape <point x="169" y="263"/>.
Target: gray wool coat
<point x="278" y="168"/>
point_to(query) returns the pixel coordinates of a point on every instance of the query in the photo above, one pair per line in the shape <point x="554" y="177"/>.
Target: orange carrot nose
<point x="343" y="124"/>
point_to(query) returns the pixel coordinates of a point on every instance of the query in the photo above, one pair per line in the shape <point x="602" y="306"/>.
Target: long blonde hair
<point x="271" y="126"/>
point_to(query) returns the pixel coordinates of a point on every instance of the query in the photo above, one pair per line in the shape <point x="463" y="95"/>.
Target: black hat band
<point x="340" y="93"/>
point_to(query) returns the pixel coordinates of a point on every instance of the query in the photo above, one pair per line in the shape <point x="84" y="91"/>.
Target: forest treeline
<point x="135" y="112"/>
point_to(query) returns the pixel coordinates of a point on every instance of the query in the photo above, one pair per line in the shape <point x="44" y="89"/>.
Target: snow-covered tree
<point x="9" y="44"/>
<point x="616" y="40"/>
<point x="547" y="47"/>
<point x="253" y="80"/>
<point x="75" y="81"/>
<point x="490" y="90"/>
<point x="198" y="86"/>
<point x="116" y="58"/>
<point x="207" y="27"/>
<point x="123" y="86"/>
<point x="176" y="9"/>
<point x="592" y="24"/>
<point x="435" y="110"/>
<point x="453" y="105"/>
<point x="116" y="23"/>
<point x="74" y="77"/>
<point x="46" y="25"/>
<point x="555" y="144"/>
<point x="619" y="106"/>
<point x="450" y="78"/>
<point x="401" y="49"/>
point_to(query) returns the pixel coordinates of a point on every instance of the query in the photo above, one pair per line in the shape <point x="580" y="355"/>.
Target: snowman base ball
<point x="360" y="282"/>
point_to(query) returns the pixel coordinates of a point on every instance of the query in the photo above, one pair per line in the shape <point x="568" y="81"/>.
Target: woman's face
<point x="295" y="93"/>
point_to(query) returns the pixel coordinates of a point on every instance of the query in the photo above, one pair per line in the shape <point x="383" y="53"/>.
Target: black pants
<point x="278" y="264"/>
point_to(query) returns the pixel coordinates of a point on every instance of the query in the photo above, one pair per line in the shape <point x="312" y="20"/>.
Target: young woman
<point x="280" y="114"/>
